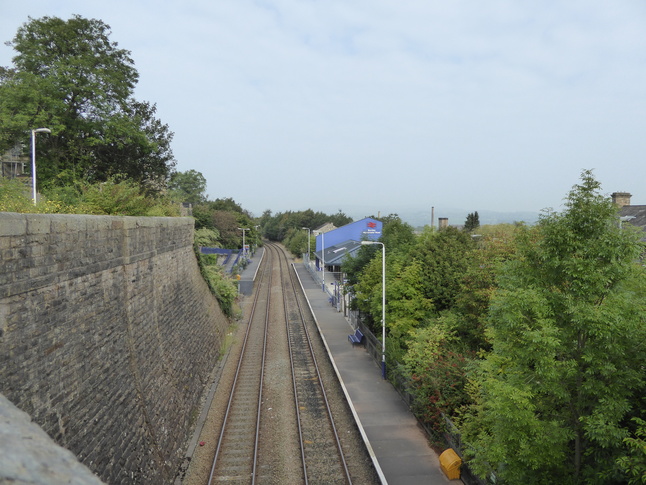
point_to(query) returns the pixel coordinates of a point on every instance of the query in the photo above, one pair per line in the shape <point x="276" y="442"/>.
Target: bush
<point x="224" y="289"/>
<point x="113" y="197"/>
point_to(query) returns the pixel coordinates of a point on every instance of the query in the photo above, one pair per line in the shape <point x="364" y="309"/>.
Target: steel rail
<point x="289" y="281"/>
<point x="262" y="284"/>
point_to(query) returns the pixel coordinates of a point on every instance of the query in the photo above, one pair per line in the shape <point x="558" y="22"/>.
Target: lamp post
<point x="308" y="243"/>
<point x="323" y="256"/>
<point x="383" y="305"/>
<point x="244" y="249"/>
<point x="33" y="158"/>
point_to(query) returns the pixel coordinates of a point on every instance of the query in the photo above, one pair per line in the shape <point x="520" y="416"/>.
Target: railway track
<point x="237" y="450"/>
<point x="321" y="451"/>
<point x="279" y="425"/>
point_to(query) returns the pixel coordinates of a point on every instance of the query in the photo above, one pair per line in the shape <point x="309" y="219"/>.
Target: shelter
<point x="332" y="247"/>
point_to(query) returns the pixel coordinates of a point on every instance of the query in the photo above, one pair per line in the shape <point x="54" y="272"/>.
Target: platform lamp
<point x="244" y="250"/>
<point x="309" y="242"/>
<point x="383" y="305"/>
<point x="33" y="158"/>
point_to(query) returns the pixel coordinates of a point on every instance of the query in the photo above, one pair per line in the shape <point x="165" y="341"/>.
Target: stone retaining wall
<point x="108" y="335"/>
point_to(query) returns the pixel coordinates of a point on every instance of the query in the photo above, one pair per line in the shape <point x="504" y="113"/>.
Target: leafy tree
<point x="207" y="238"/>
<point x="473" y="222"/>
<point x="397" y="235"/>
<point x="634" y="462"/>
<point x="444" y="257"/>
<point x="226" y="223"/>
<point x="188" y="186"/>
<point x="339" y="219"/>
<point x="568" y="332"/>
<point x="70" y="77"/>
<point x="478" y="284"/>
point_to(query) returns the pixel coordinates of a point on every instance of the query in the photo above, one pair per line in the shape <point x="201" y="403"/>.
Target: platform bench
<point x="356" y="338"/>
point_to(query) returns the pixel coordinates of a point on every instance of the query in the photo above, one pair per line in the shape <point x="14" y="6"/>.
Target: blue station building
<point x="333" y="246"/>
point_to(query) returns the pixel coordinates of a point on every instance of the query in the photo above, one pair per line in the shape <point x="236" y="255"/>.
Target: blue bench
<point x="356" y="338"/>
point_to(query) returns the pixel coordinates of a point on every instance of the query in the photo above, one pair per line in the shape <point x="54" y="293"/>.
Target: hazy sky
<point x="379" y="105"/>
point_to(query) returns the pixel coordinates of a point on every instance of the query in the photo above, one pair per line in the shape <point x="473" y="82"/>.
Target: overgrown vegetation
<point x="114" y="197"/>
<point x="104" y="152"/>
<point x="223" y="288"/>
<point x="530" y="338"/>
<point x="70" y="77"/>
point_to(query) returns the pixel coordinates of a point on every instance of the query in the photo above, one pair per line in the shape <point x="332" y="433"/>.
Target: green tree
<point x="445" y="256"/>
<point x="568" y="331"/>
<point x="472" y="222"/>
<point x="70" y="77"/>
<point x="189" y="186"/>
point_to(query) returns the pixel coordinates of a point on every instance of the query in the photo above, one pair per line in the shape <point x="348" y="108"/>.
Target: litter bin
<point x="450" y="463"/>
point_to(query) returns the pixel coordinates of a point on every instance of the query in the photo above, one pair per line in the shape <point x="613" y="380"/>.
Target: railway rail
<point x="321" y="451"/>
<point x="281" y="424"/>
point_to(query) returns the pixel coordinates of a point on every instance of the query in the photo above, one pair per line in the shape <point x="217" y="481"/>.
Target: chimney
<point x="442" y="222"/>
<point x="621" y="199"/>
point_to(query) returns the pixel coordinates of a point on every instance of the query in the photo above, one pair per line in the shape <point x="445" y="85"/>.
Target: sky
<point x="382" y="106"/>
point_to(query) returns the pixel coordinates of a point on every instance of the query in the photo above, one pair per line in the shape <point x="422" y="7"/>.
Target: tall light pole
<point x="383" y="305"/>
<point x="323" y="256"/>
<point x="33" y="158"/>
<point x="244" y="250"/>
<point x="309" y="242"/>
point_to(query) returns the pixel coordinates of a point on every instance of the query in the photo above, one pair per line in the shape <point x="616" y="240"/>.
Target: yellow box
<point x="450" y="463"/>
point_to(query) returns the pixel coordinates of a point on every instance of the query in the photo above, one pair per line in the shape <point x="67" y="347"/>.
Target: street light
<point x="244" y="248"/>
<point x="308" y="243"/>
<point x="383" y="305"/>
<point x="33" y="158"/>
<point x="323" y="257"/>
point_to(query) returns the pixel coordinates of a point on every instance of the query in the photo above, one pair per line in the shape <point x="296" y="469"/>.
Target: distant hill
<point x="457" y="217"/>
<point x="419" y="218"/>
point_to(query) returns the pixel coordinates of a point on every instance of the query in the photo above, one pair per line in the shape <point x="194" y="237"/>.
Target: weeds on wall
<point x="115" y="197"/>
<point x="224" y="289"/>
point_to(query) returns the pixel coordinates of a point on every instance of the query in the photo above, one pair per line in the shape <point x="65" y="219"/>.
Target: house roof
<point x="635" y="215"/>
<point x="327" y="227"/>
<point x="335" y="255"/>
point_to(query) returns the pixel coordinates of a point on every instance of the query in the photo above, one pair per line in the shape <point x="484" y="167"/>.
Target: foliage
<point x="567" y="327"/>
<point x="472" y="222"/>
<point x="397" y="235"/>
<point x="223" y="288"/>
<point x="296" y="242"/>
<point x="277" y="227"/>
<point x="439" y="387"/>
<point x="406" y="305"/>
<point x="68" y="76"/>
<point x="444" y="257"/>
<point x="207" y="238"/>
<point x="123" y="197"/>
<point x="112" y="197"/>
<point x="188" y="187"/>
<point x="15" y="196"/>
<point x="227" y="218"/>
<point x="478" y="284"/>
<point x="634" y="462"/>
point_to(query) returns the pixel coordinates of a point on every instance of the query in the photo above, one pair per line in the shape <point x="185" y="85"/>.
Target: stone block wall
<point x="108" y="335"/>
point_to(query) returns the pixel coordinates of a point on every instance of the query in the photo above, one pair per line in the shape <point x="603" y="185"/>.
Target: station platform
<point x="396" y="442"/>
